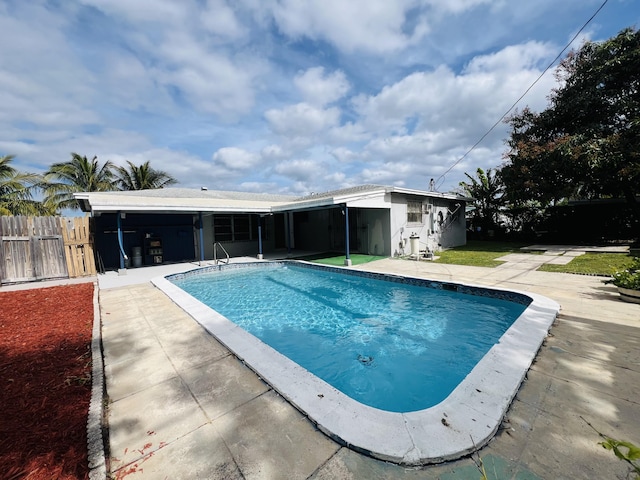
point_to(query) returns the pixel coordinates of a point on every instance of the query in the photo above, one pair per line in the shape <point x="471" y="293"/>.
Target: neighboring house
<point x="178" y="224"/>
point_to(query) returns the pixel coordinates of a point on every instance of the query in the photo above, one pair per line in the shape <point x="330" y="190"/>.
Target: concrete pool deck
<point x="465" y="420"/>
<point x="181" y="406"/>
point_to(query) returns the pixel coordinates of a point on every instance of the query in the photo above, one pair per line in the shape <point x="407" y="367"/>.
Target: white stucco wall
<point x="433" y="235"/>
<point x="382" y="230"/>
<point x="374" y="231"/>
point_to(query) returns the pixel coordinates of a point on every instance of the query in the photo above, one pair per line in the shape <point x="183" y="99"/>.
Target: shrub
<point x="629" y="277"/>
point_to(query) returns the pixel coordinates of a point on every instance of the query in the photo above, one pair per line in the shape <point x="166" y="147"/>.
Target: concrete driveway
<point x="181" y="406"/>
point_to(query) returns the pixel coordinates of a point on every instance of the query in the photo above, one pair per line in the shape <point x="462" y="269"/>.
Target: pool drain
<point x="365" y="359"/>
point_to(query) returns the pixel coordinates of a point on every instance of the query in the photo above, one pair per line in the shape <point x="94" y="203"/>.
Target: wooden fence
<point x="42" y="248"/>
<point x="78" y="246"/>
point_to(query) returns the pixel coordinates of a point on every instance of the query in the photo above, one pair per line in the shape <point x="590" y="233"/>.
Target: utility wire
<point x="441" y="178"/>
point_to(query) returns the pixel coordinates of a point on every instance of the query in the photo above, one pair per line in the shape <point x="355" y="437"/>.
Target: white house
<point x="177" y="224"/>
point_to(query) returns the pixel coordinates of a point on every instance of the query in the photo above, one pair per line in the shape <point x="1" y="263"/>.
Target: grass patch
<point x="592" y="264"/>
<point x="338" y="260"/>
<point x="479" y="253"/>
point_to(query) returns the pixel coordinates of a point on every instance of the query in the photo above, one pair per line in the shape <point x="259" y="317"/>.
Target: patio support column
<point x="201" y="233"/>
<point x="287" y="232"/>
<point x="122" y="255"/>
<point x="260" y="255"/>
<point x="347" y="258"/>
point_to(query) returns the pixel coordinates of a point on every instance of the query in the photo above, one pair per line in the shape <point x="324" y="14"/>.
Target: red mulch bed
<point x="45" y="382"/>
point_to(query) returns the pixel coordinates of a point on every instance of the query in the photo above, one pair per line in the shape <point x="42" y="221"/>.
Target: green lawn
<point x="479" y="253"/>
<point x="592" y="264"/>
<point x="484" y="254"/>
<point x="338" y="260"/>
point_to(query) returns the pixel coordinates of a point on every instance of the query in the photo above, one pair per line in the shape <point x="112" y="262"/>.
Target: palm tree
<point x="142" y="177"/>
<point x="487" y="190"/>
<point x="79" y="174"/>
<point x="16" y="191"/>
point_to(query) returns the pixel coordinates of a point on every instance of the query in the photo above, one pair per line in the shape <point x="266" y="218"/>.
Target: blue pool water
<point x="389" y="345"/>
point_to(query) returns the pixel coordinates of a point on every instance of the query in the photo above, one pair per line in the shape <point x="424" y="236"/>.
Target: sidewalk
<point x="181" y="406"/>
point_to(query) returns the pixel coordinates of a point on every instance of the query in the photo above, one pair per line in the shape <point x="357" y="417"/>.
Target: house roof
<point x="185" y="200"/>
<point x="189" y="200"/>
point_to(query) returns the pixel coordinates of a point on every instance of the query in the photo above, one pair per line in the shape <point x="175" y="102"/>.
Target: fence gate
<point x="31" y="249"/>
<point x="78" y="247"/>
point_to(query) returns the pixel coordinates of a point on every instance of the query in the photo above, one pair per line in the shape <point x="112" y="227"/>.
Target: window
<point x="241" y="227"/>
<point x="222" y="231"/>
<point x="414" y="212"/>
<point x="229" y="228"/>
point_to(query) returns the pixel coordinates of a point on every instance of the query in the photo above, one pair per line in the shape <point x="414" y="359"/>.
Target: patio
<point x="181" y="406"/>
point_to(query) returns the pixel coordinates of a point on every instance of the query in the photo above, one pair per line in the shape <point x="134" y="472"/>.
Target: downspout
<point x="347" y="258"/>
<point x="123" y="256"/>
<point x="260" y="256"/>
<point x="201" y="233"/>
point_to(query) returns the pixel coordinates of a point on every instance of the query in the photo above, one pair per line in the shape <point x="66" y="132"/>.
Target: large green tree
<point x="16" y="191"/>
<point x="541" y="167"/>
<point x="487" y="191"/>
<point x="586" y="144"/>
<point x="79" y="174"/>
<point x="141" y="177"/>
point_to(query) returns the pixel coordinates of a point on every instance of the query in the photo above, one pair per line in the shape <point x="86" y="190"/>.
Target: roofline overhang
<point x="186" y="209"/>
<point x="84" y="201"/>
<point x="328" y="202"/>
<point x="308" y="205"/>
<point x="422" y="193"/>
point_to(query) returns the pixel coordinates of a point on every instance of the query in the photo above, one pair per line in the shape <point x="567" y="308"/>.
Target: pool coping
<point x="465" y="421"/>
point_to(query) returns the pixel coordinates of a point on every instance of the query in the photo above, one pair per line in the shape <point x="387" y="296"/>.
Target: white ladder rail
<point x="215" y="253"/>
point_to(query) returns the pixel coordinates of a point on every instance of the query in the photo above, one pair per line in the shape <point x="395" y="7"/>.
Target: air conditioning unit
<point x="426" y="208"/>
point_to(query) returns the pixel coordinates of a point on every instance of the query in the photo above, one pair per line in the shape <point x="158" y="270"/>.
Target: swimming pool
<point x="394" y="346"/>
<point x="467" y="418"/>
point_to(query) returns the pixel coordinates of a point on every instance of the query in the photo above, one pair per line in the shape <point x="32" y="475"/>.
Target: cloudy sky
<point x="281" y="96"/>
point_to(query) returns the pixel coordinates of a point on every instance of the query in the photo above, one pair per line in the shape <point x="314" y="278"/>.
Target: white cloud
<point x="185" y="51"/>
<point x="274" y="152"/>
<point x="395" y="173"/>
<point x="17" y="148"/>
<point x="259" y="187"/>
<point x="300" y="170"/>
<point x="458" y="6"/>
<point x="302" y="120"/>
<point x="317" y="94"/>
<point x="470" y="101"/>
<point x="142" y="90"/>
<point x="344" y="155"/>
<point x="512" y="58"/>
<point x="319" y="89"/>
<point x="236" y="158"/>
<point x="348" y="133"/>
<point x="377" y="26"/>
<point x="418" y="146"/>
<point x="142" y="11"/>
<point x="41" y="82"/>
<point x="212" y="82"/>
<point x="337" y="178"/>
<point x="220" y="19"/>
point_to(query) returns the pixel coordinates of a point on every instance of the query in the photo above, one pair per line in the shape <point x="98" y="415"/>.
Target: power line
<point x="440" y="179"/>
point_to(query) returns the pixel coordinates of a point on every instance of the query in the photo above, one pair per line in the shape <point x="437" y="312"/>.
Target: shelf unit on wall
<point x="153" y="254"/>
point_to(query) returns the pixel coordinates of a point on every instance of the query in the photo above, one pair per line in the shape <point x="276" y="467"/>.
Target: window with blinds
<point x="414" y="212"/>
